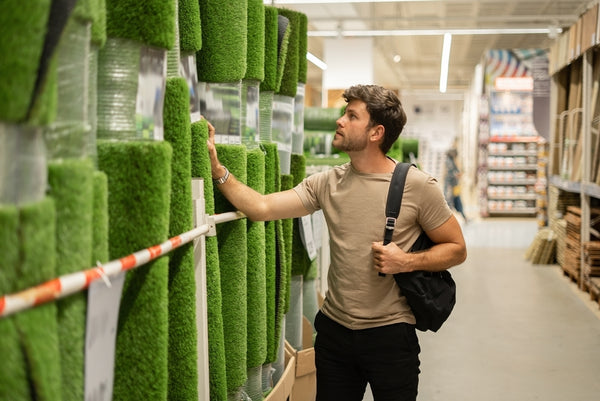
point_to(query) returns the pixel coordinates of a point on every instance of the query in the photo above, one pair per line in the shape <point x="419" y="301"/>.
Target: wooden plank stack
<point x="543" y="248"/>
<point x="572" y="255"/>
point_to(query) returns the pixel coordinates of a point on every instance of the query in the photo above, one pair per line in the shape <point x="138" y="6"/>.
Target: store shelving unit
<point x="575" y="111"/>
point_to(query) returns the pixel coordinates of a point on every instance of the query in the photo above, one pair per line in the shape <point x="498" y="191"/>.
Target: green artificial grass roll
<point x="216" y="342"/>
<point x="71" y="185"/>
<point x="257" y="296"/>
<point x="13" y="382"/>
<point x="23" y="26"/>
<point x="224" y="41"/>
<point x="284" y="33"/>
<point x="287" y="182"/>
<point x="321" y="118"/>
<point x="139" y="182"/>
<point x="269" y="82"/>
<point x="271" y="185"/>
<point x="190" y="30"/>
<point x="302" y="47"/>
<point x="100" y="219"/>
<point x="232" y="240"/>
<point x="183" y="349"/>
<point x="255" y="59"/>
<point x="300" y="262"/>
<point x="98" y="22"/>
<point x="150" y="22"/>
<point x="289" y="81"/>
<point x="37" y="327"/>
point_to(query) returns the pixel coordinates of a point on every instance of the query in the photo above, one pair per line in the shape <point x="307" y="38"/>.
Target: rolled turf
<point x="190" y="27"/>
<point x="183" y="350"/>
<point x="216" y="341"/>
<point x="269" y="82"/>
<point x="232" y="240"/>
<point x="224" y="41"/>
<point x="300" y="259"/>
<point x="289" y="81"/>
<point x="71" y="185"/>
<point x="139" y="183"/>
<point x="255" y="59"/>
<point x="287" y="182"/>
<point x="38" y="327"/>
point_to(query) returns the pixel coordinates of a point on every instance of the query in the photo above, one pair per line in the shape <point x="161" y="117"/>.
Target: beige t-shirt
<point x="354" y="207"/>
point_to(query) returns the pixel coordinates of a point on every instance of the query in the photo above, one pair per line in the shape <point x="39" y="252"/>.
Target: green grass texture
<point x="71" y="183"/>
<point x="183" y="349"/>
<point x="232" y="240"/>
<point x="190" y="28"/>
<point x="300" y="260"/>
<point x="255" y="59"/>
<point x="224" y="41"/>
<point x="216" y="341"/>
<point x="150" y="22"/>
<point x="289" y="81"/>
<point x="256" y="269"/>
<point x="139" y="183"/>
<point x="269" y="82"/>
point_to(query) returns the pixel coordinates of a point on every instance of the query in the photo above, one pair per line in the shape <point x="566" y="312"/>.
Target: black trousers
<point x="386" y="357"/>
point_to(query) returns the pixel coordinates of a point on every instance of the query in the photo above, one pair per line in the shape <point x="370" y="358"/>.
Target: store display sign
<point x="104" y="299"/>
<point x="524" y="84"/>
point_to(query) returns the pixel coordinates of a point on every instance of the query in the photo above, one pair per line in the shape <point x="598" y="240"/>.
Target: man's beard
<point x="350" y="145"/>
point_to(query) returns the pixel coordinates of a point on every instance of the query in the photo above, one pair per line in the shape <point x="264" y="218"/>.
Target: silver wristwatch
<point x="222" y="180"/>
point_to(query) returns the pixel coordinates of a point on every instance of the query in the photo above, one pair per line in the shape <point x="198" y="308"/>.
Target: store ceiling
<point x="420" y="55"/>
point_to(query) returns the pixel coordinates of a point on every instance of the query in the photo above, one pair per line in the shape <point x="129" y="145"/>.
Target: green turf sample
<point x="38" y="327"/>
<point x="232" y="239"/>
<point x="216" y="342"/>
<point x="100" y="219"/>
<point x="257" y="297"/>
<point x="23" y="26"/>
<point x="150" y="22"/>
<point x="13" y="381"/>
<point x="287" y="182"/>
<point x="255" y="60"/>
<point x="190" y="27"/>
<point x="269" y="82"/>
<point x="183" y="349"/>
<point x="224" y="40"/>
<point x="72" y="188"/>
<point x="302" y="47"/>
<point x="271" y="185"/>
<point x="43" y="110"/>
<point x="284" y="32"/>
<point x="139" y="183"/>
<point x="98" y="22"/>
<point x="300" y="260"/>
<point x="289" y="81"/>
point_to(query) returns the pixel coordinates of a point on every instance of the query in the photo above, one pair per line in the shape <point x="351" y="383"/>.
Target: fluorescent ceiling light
<point x="445" y="61"/>
<point x="316" y="61"/>
<point x="433" y="32"/>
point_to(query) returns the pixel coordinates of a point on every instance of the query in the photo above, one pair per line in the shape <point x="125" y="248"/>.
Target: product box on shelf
<point x="283" y="389"/>
<point x="305" y="382"/>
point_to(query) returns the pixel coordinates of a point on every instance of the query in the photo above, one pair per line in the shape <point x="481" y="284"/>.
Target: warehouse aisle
<point x="519" y="332"/>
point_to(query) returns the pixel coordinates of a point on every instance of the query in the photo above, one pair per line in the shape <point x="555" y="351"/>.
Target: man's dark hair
<point x="384" y="108"/>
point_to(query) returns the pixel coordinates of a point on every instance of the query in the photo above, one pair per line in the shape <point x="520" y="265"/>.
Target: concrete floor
<point x="519" y="332"/>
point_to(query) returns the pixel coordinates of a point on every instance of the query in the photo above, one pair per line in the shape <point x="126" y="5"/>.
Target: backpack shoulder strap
<point x="394" y="199"/>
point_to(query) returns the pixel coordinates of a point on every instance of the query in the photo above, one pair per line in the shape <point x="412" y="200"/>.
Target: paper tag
<point x="101" y="330"/>
<point x="306" y="234"/>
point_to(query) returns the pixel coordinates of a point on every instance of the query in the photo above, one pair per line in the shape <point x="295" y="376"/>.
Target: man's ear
<point x="377" y="133"/>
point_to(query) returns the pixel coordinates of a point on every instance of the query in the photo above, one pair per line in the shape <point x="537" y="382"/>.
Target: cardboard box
<point x="283" y="389"/>
<point x="305" y="384"/>
<point x="589" y="28"/>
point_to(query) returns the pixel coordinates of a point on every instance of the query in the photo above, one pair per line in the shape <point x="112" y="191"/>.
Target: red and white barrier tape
<point x="71" y="283"/>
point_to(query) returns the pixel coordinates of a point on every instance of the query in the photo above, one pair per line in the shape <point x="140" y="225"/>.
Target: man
<point x="365" y="328"/>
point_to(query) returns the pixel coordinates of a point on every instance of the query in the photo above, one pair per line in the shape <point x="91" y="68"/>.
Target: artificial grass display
<point x="14" y="381"/>
<point x="269" y="82"/>
<point x="232" y="240"/>
<point x="149" y="22"/>
<point x="183" y="350"/>
<point x="289" y="82"/>
<point x="72" y="188"/>
<point x="216" y="342"/>
<point x="255" y="55"/>
<point x="274" y="314"/>
<point x="284" y="33"/>
<point x="37" y="327"/>
<point x="25" y="23"/>
<point x="100" y="219"/>
<point x="300" y="262"/>
<point x="190" y="27"/>
<point x="139" y="182"/>
<point x="287" y="182"/>
<point x="302" y="47"/>
<point x="256" y="287"/>
<point x="224" y="41"/>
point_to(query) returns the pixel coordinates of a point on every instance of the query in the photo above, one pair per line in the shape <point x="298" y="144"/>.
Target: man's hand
<point x="390" y="259"/>
<point x="216" y="168"/>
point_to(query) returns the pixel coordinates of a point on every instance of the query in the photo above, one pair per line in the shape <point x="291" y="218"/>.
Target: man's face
<point x="352" y="128"/>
